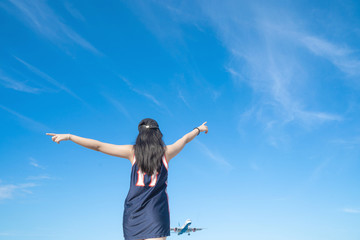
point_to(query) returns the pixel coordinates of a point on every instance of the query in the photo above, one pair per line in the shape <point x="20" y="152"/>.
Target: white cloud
<point x="340" y="56"/>
<point x="20" y="234"/>
<point x="41" y="18"/>
<point x="214" y="156"/>
<point x="8" y="191"/>
<point x="50" y="79"/>
<point x="165" y="20"/>
<point x="181" y="96"/>
<point x="350" y="143"/>
<point x="318" y="170"/>
<point x="142" y="93"/>
<point x="74" y="12"/>
<point x="145" y="94"/>
<point x="28" y="122"/>
<point x="34" y="162"/>
<point x="351" y="210"/>
<point x="9" y="82"/>
<point x="264" y="54"/>
<point x="40" y="177"/>
<point x="120" y="107"/>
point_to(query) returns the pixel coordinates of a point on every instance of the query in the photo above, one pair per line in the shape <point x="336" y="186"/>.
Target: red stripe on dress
<point x="165" y="162"/>
<point x="133" y="161"/>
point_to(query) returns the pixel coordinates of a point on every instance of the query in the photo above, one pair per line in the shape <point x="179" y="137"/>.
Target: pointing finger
<point x="51" y="134"/>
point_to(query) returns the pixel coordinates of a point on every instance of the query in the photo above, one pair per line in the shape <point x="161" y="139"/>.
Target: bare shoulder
<point x="122" y="151"/>
<point x="125" y="151"/>
<point x="169" y="153"/>
<point x="132" y="153"/>
<point x="175" y="148"/>
<point x="129" y="149"/>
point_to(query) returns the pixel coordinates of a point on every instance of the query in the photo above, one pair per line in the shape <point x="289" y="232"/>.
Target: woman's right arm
<point x="173" y="149"/>
<point x="123" y="151"/>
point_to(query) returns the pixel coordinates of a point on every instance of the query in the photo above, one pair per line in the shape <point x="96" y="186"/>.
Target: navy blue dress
<point x="146" y="208"/>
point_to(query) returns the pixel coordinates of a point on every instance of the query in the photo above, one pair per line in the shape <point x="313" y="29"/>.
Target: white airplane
<point x="185" y="228"/>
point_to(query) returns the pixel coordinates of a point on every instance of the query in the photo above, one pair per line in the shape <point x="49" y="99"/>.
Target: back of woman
<point x="146" y="208"/>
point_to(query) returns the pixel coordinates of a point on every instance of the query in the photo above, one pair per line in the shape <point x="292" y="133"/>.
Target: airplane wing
<point x="176" y="229"/>
<point x="194" y="229"/>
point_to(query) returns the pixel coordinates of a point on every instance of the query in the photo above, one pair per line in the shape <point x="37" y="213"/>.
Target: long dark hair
<point x="149" y="147"/>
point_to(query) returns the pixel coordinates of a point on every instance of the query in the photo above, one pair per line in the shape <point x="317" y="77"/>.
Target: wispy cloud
<point x="52" y="81"/>
<point x="316" y="117"/>
<point x="34" y="162"/>
<point x="49" y="79"/>
<point x="181" y="96"/>
<point x="8" y="191"/>
<point x="145" y="94"/>
<point x="20" y="234"/>
<point x="74" y="12"/>
<point x="142" y="93"/>
<point x="11" y="83"/>
<point x="42" y="19"/>
<point x="166" y="20"/>
<point x="120" y="107"/>
<point x="180" y="84"/>
<point x="40" y="177"/>
<point x="27" y="122"/>
<point x="235" y="74"/>
<point x="340" y="56"/>
<point x="316" y="173"/>
<point x="213" y="156"/>
<point x="349" y="143"/>
<point x="281" y="77"/>
<point x="351" y="210"/>
<point x="263" y="54"/>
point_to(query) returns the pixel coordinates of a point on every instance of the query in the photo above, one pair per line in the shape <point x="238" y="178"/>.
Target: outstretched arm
<point x="123" y="151"/>
<point x="173" y="149"/>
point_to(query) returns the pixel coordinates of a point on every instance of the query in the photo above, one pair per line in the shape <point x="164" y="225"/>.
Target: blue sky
<point x="277" y="82"/>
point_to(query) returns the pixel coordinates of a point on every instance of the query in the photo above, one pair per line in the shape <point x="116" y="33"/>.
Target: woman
<point x="146" y="208"/>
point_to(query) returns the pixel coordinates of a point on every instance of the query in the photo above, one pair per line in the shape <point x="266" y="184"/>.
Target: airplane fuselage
<point x="184" y="228"/>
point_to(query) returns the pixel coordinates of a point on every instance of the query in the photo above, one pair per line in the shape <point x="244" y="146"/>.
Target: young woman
<point x="146" y="208"/>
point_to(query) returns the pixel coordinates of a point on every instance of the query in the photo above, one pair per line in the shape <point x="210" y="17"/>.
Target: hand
<point x="59" y="137"/>
<point x="203" y="128"/>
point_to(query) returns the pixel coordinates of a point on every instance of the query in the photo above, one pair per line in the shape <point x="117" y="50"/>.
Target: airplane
<point x="185" y="228"/>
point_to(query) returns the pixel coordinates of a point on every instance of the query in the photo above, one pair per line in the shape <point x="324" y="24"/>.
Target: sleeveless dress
<point x="146" y="208"/>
